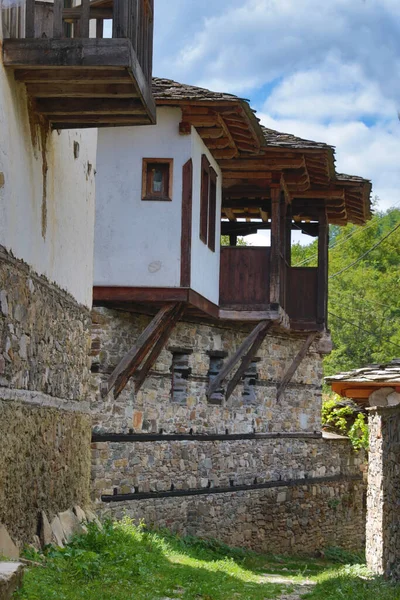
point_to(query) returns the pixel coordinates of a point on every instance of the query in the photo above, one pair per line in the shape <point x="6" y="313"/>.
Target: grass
<point x="126" y="562"/>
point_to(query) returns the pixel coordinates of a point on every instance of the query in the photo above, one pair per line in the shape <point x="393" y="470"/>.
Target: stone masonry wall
<point x="383" y="516"/>
<point x="297" y="520"/>
<point x="45" y="426"/>
<point x="154" y="407"/>
<point x="44" y="464"/>
<point x="154" y="466"/>
<point x="44" y="335"/>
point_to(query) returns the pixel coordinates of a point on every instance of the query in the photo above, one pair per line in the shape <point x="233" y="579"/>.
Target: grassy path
<point x="124" y="562"/>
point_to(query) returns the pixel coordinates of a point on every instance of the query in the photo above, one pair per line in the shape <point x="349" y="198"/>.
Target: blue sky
<point x="327" y="70"/>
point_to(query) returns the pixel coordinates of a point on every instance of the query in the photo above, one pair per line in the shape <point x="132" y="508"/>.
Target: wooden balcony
<point x="245" y="276"/>
<point x="78" y="78"/>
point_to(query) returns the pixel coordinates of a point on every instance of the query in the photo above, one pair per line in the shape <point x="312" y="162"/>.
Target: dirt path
<point x="301" y="588"/>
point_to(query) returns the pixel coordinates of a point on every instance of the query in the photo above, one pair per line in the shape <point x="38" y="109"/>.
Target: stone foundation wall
<point x="297" y="520"/>
<point x="44" y="464"/>
<point x="383" y="516"/>
<point x="155" y="466"/>
<point x="44" y="335"/>
<point x="154" y="407"/>
<point x="45" y="426"/>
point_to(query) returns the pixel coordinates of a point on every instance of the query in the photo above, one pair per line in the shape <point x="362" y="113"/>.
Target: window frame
<point x="208" y="204"/>
<point x="147" y="195"/>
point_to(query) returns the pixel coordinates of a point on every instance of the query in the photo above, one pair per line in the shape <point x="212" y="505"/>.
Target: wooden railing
<point x="244" y="277"/>
<point x="131" y="19"/>
<point x="301" y="296"/>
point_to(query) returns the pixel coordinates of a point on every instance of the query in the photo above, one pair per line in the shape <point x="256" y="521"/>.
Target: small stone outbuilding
<point x="377" y="387"/>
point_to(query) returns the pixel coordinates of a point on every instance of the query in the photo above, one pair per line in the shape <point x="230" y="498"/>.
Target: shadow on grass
<point x="123" y="562"/>
<point x="212" y="550"/>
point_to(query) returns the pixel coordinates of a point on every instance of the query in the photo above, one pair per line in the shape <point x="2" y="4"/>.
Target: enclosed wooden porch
<point x="87" y="65"/>
<point x="262" y="280"/>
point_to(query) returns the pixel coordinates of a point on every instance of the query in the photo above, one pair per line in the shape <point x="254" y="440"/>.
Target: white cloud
<point x="241" y="45"/>
<point x="331" y="91"/>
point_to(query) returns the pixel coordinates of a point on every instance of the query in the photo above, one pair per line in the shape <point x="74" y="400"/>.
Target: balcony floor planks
<point x="106" y="70"/>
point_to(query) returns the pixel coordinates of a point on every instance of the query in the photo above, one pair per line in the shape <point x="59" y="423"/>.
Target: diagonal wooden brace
<point x="295" y="364"/>
<point x="145" y="342"/>
<point x="246" y="360"/>
<point x="240" y="354"/>
<point x="157" y="348"/>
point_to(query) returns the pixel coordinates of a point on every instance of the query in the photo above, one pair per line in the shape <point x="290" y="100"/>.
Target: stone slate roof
<point x="345" y="177"/>
<point x="377" y="373"/>
<point x="287" y="140"/>
<point x="167" y="89"/>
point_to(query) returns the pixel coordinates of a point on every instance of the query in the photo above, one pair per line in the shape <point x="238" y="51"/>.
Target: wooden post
<point x="322" y="293"/>
<point x="99" y="28"/>
<point x="119" y="19"/>
<point x="30" y="19"/>
<point x="232" y="239"/>
<point x="275" y="244"/>
<point x="84" y="20"/>
<point x="288" y="249"/>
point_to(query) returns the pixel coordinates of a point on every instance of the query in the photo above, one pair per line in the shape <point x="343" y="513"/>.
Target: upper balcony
<point x="86" y="65"/>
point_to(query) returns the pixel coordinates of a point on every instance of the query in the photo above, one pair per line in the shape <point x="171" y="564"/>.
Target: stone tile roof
<point x="377" y="373"/>
<point x="345" y="177"/>
<point x="287" y="140"/>
<point x="167" y="89"/>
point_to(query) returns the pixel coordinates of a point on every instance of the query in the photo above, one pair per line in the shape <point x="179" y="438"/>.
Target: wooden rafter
<point x="241" y="353"/>
<point x="295" y="364"/>
<point x="147" y="342"/>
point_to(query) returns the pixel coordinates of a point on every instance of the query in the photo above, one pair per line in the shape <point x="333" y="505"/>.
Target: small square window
<point x="157" y="179"/>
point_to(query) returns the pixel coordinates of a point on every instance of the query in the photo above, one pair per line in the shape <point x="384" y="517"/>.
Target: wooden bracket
<point x="295" y="364"/>
<point x="245" y="353"/>
<point x="149" y="344"/>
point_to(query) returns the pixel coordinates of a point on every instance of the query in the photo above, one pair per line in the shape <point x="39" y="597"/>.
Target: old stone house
<point x="206" y="387"/>
<point x="377" y="388"/>
<point x="57" y="85"/>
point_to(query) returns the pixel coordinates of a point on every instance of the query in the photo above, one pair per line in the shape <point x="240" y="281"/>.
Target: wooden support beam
<point x="54" y="89"/>
<point x="30" y="18"/>
<point x="88" y="106"/>
<point x="210" y="133"/>
<point x="216" y="383"/>
<point x="83" y="76"/>
<point x="131" y="361"/>
<point x="295" y="364"/>
<point x="246" y="360"/>
<point x="165" y="333"/>
<point x="275" y="244"/>
<point x="322" y="283"/>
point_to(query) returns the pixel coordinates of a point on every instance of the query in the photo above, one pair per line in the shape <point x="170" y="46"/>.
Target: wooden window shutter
<point x="186" y="233"/>
<point x="205" y="185"/>
<point x="212" y="210"/>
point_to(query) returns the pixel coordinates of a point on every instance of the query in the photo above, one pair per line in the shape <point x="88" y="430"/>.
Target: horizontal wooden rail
<point x="233" y="488"/>
<point x="131" y="19"/>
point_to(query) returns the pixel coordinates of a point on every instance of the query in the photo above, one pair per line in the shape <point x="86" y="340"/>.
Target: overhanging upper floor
<point x="85" y="66"/>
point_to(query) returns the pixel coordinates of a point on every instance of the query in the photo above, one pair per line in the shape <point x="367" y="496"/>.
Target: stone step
<point x="10" y="578"/>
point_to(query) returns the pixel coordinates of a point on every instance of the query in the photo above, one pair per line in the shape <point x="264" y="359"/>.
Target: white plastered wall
<point x="65" y="253"/>
<point x="138" y="243"/>
<point x="204" y="262"/>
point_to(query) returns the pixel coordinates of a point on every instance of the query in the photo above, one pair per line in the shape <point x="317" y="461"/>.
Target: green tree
<point x="363" y="298"/>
